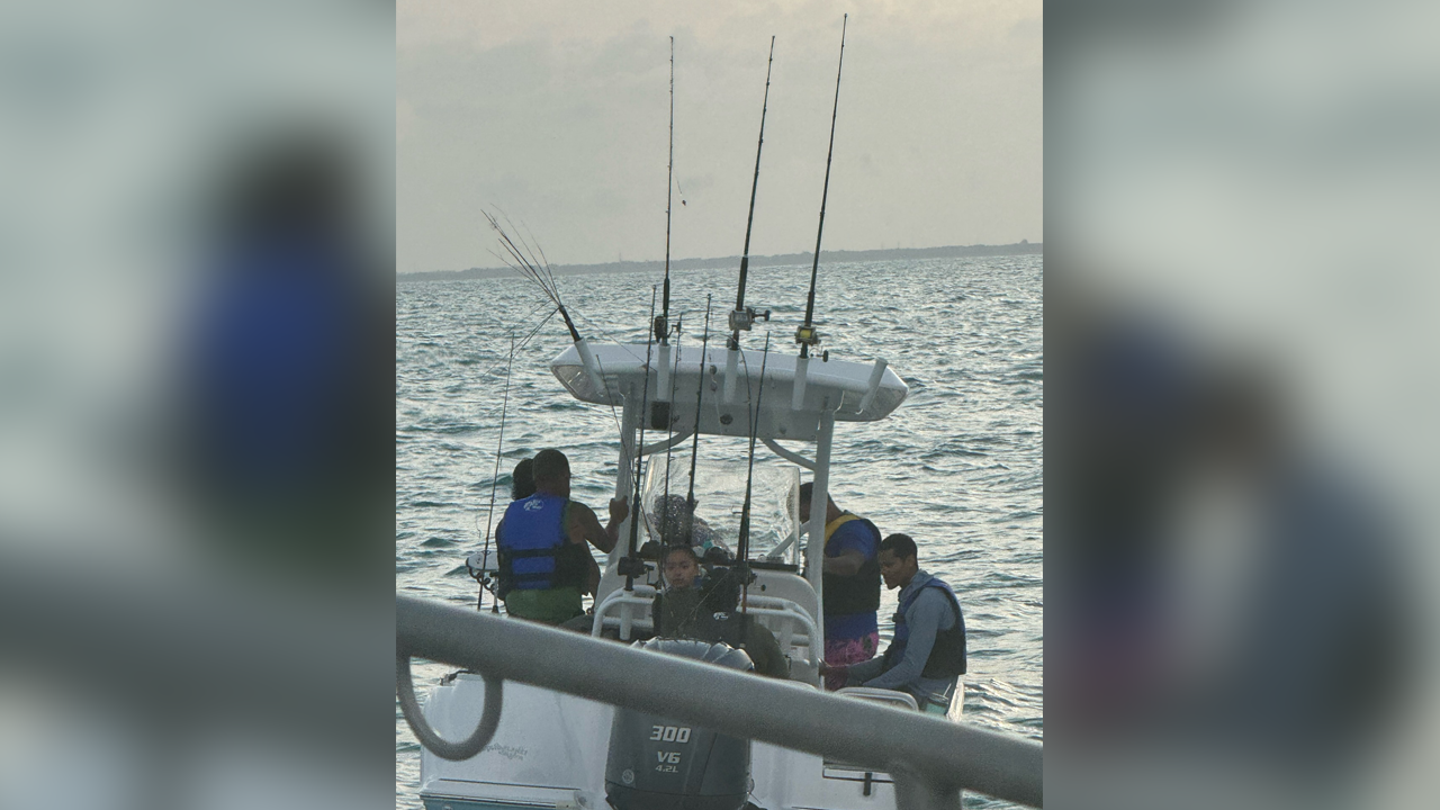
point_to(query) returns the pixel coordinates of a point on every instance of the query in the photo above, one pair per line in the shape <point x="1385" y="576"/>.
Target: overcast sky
<point x="557" y="114"/>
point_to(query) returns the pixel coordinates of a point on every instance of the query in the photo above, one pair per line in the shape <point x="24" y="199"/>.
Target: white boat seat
<point x="903" y="700"/>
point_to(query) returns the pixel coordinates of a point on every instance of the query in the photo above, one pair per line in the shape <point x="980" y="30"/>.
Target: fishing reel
<point x="662" y="329"/>
<point x="631" y="567"/>
<point x="742" y="319"/>
<point x="483" y="566"/>
<point x="724" y="584"/>
<point x="808" y="336"/>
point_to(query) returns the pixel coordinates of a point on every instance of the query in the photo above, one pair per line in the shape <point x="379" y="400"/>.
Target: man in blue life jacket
<point x="928" y="651"/>
<point x="541" y="540"/>
<point x="851" y="582"/>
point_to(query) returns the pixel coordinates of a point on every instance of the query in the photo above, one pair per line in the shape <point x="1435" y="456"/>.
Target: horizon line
<point x="807" y="254"/>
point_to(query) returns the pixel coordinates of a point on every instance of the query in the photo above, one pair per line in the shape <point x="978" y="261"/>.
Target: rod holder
<point x="592" y="368"/>
<point x="663" y="394"/>
<point x="802" y="369"/>
<point x="873" y="386"/>
<point x="732" y="362"/>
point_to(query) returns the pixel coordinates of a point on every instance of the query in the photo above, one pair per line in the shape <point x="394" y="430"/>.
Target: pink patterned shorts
<point x="848" y="651"/>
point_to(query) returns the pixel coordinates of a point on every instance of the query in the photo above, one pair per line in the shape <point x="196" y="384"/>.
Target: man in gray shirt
<point x="928" y="651"/>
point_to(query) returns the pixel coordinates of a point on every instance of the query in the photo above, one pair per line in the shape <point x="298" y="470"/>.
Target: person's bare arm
<point x="619" y="510"/>
<point x="592" y="575"/>
<point x="846" y="565"/>
<point x="585" y="526"/>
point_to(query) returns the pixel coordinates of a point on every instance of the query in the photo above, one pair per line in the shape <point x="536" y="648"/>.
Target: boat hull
<point x="550" y="751"/>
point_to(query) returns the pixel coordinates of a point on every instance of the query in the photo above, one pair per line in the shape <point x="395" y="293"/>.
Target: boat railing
<point x="789" y="615"/>
<point x="633" y="607"/>
<point x="930" y="760"/>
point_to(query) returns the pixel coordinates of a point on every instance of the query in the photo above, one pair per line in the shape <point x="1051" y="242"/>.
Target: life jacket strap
<point x="835" y="524"/>
<point x="528" y="553"/>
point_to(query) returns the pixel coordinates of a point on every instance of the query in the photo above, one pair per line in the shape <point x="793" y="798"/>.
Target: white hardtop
<point x="796" y="391"/>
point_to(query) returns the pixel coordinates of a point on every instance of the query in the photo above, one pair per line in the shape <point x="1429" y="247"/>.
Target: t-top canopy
<point x="795" y="393"/>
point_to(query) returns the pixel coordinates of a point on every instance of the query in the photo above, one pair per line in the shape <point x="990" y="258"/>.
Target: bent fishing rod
<point x="807" y="335"/>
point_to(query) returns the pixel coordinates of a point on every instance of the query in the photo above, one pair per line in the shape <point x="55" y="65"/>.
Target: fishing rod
<point x="662" y="330"/>
<point x="660" y="417"/>
<point x="806" y="335"/>
<point x="495" y="481"/>
<point x="699" y="397"/>
<point x="742" y="318"/>
<point x="670" y="446"/>
<point x="632" y="566"/>
<point x="743" y="546"/>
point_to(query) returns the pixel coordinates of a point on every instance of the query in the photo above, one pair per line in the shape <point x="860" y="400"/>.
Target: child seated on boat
<point x="707" y="609"/>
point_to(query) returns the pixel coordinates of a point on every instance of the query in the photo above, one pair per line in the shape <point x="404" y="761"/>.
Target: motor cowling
<point x="657" y="763"/>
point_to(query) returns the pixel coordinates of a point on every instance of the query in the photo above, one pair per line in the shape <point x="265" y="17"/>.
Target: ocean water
<point x="958" y="466"/>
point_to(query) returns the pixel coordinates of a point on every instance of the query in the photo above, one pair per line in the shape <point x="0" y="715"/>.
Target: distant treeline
<point x="827" y="256"/>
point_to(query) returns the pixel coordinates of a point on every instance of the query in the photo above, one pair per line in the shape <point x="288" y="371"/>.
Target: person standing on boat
<point x="851" y="581"/>
<point x="522" y="485"/>
<point x="928" y="651"/>
<point x="542" y="545"/>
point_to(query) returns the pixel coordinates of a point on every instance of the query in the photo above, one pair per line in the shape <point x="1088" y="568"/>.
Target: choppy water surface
<point x="958" y="466"/>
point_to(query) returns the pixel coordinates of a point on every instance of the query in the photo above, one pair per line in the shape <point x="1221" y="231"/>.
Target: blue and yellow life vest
<point x="535" y="550"/>
<point x="859" y="593"/>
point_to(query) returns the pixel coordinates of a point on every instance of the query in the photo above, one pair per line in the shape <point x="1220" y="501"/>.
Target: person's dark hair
<point x="687" y="550"/>
<point x="806" y="492"/>
<point x="551" y="466"/>
<point x="900" y="545"/>
<point x="522" y="481"/>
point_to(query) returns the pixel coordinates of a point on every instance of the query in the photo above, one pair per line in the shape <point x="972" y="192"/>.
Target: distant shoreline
<point x="950" y="252"/>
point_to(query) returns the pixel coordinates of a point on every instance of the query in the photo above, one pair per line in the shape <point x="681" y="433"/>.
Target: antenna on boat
<point x="529" y="261"/>
<point x="660" y="416"/>
<point x="742" y="318"/>
<point x="806" y="334"/>
<point x="631" y="566"/>
<point x="523" y="259"/>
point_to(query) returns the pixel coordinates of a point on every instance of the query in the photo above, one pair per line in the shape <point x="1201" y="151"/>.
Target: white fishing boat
<point x="571" y="749"/>
<point x="552" y="750"/>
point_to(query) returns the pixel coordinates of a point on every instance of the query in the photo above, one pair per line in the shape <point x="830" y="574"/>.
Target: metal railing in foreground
<point x="930" y="759"/>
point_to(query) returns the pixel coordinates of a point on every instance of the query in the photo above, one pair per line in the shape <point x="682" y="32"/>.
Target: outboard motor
<point x="659" y="764"/>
